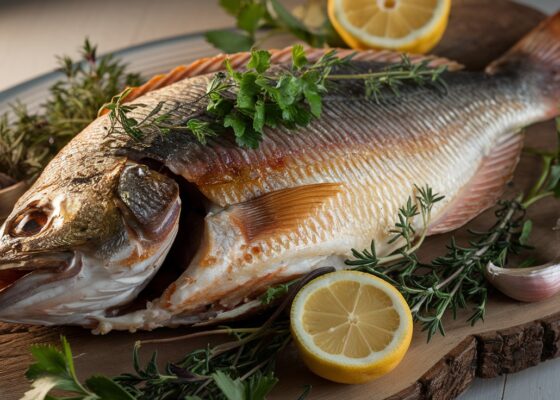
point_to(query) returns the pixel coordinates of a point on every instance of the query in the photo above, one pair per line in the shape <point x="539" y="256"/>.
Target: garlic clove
<point x="526" y="284"/>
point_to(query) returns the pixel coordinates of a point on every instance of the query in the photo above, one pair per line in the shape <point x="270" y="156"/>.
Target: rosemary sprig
<point x="28" y="141"/>
<point x="246" y="102"/>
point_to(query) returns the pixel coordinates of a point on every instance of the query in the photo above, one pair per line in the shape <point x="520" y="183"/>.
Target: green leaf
<point x="526" y="232"/>
<point x="249" y="17"/>
<point x="56" y="364"/>
<point x="294" y="25"/>
<point x="231" y="6"/>
<point x="250" y="139"/>
<point x="314" y="100"/>
<point x="232" y="120"/>
<point x="248" y="90"/>
<point x="260" y="60"/>
<point x="232" y="389"/>
<point x="288" y="90"/>
<point x="273" y="114"/>
<point x="229" y="41"/>
<point x="296" y="116"/>
<point x="107" y="389"/>
<point x="49" y="360"/>
<point x="299" y="60"/>
<point x="259" y="117"/>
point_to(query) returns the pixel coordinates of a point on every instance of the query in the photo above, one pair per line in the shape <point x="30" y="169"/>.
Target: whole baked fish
<point x="102" y="238"/>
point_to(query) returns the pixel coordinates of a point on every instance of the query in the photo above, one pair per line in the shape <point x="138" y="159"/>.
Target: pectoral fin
<point x="282" y="210"/>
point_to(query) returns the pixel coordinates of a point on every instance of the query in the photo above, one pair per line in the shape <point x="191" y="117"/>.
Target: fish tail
<point x="537" y="58"/>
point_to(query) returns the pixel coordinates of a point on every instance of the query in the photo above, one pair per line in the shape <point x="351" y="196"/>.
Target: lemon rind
<point x="440" y="12"/>
<point x="399" y="336"/>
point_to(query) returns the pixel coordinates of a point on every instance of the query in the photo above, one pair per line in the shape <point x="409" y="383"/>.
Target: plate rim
<point x="12" y="91"/>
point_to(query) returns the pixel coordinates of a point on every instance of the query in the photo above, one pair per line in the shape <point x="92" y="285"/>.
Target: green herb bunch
<point x="246" y="102"/>
<point x="75" y="101"/>
<point x="29" y="140"/>
<point x="273" y="18"/>
<point x="24" y="146"/>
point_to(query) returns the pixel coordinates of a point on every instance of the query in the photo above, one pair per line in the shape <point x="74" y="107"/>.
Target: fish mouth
<point x="13" y="269"/>
<point x="29" y="277"/>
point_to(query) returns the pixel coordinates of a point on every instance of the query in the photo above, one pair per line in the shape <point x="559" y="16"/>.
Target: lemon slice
<point x="406" y="25"/>
<point x="351" y="327"/>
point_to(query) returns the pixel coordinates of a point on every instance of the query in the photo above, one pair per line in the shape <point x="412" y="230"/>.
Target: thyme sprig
<point x="246" y="102"/>
<point x="29" y="140"/>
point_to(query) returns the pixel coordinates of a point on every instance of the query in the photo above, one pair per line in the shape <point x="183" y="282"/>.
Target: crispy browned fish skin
<point x="306" y="197"/>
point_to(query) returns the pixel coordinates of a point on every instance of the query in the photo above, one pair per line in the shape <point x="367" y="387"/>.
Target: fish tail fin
<point x="537" y="57"/>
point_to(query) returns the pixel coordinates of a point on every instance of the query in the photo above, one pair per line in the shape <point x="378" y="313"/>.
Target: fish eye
<point x="29" y="223"/>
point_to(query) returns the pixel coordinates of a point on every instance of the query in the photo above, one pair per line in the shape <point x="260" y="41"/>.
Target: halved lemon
<point x="351" y="327"/>
<point x="414" y="26"/>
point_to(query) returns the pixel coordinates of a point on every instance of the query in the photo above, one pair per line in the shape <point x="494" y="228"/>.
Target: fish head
<point x="77" y="246"/>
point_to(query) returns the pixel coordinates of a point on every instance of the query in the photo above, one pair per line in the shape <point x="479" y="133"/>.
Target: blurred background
<point x="32" y="31"/>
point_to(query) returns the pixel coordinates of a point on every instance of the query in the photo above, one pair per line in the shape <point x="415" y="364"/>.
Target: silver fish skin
<point x="102" y="217"/>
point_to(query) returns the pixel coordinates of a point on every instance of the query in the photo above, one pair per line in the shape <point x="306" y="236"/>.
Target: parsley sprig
<point x="54" y="370"/>
<point x="246" y="102"/>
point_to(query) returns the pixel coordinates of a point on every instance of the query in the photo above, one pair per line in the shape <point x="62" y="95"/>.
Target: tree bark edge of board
<point x="487" y="355"/>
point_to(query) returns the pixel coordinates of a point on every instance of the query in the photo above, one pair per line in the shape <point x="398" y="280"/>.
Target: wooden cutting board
<point x="513" y="337"/>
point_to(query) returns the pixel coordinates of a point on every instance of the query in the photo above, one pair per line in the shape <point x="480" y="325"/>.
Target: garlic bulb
<point x="526" y="284"/>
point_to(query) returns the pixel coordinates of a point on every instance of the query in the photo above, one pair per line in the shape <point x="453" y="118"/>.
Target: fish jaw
<point x="92" y="248"/>
<point x="89" y="286"/>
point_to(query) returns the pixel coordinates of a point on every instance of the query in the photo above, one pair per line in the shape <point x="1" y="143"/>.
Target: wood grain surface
<point x="514" y="336"/>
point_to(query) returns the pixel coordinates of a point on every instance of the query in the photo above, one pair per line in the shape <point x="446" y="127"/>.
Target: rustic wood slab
<point x="513" y="337"/>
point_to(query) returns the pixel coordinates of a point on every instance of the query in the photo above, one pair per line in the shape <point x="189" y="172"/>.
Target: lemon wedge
<point x="414" y="26"/>
<point x="350" y="327"/>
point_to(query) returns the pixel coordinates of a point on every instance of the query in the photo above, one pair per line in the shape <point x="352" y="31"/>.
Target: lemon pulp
<point x="351" y="327"/>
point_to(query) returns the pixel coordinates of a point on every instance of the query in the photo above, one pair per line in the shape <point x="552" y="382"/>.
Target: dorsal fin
<point x="281" y="210"/>
<point x="216" y="63"/>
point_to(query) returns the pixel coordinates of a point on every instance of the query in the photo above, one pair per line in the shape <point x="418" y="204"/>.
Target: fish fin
<point x="536" y="59"/>
<point x="237" y="60"/>
<point x="485" y="187"/>
<point x="282" y="210"/>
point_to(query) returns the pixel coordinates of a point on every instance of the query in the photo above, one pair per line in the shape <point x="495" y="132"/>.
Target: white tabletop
<point x="32" y="31"/>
